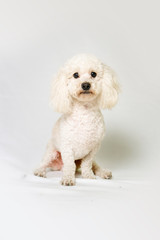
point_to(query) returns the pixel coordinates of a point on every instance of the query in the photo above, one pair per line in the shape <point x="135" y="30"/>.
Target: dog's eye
<point x="93" y="74"/>
<point x="76" y="75"/>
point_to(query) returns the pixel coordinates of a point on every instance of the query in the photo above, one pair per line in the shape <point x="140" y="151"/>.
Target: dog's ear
<point x="60" y="98"/>
<point x="110" y="89"/>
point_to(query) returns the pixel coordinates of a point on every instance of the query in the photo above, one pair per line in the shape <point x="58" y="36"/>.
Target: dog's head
<point x="84" y="78"/>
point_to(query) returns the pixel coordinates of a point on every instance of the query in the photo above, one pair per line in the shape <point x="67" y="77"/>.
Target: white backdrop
<point x="37" y="37"/>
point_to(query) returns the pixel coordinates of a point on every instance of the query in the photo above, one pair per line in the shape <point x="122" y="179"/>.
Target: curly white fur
<point x="78" y="133"/>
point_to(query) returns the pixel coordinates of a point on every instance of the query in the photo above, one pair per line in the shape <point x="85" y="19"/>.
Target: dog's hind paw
<point x="40" y="172"/>
<point x="104" y="173"/>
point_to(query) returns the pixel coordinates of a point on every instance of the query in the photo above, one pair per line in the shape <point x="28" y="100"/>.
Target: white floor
<point x="38" y="208"/>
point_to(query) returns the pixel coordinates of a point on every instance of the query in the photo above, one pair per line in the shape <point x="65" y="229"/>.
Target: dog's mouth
<point x="86" y="92"/>
<point x="85" y="95"/>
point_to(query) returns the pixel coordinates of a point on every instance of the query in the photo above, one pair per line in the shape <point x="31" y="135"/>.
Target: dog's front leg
<point x="86" y="165"/>
<point x="69" y="167"/>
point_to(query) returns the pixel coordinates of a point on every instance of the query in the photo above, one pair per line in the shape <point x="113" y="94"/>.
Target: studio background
<point x="37" y="37"/>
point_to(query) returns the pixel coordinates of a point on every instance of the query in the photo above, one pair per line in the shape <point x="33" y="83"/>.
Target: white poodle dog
<point x="80" y="89"/>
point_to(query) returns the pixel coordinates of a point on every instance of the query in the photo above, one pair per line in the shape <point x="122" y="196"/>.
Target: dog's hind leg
<point x="98" y="171"/>
<point x="56" y="163"/>
<point x="52" y="159"/>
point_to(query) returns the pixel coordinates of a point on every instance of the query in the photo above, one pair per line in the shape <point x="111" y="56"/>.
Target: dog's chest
<point x="85" y="131"/>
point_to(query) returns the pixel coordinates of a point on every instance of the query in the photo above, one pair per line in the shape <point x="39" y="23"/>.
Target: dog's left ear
<point x="110" y="89"/>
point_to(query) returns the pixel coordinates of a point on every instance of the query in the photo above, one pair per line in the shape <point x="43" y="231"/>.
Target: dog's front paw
<point x="68" y="181"/>
<point x="104" y="173"/>
<point x="40" y="172"/>
<point x="89" y="175"/>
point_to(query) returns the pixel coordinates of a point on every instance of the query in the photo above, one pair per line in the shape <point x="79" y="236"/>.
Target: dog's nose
<point x="86" y="86"/>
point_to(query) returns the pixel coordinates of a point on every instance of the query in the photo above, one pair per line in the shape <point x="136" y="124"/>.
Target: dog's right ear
<point x="60" y="98"/>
